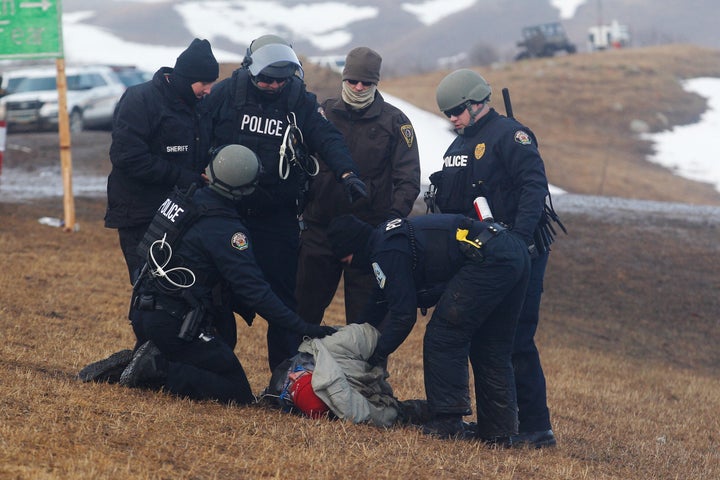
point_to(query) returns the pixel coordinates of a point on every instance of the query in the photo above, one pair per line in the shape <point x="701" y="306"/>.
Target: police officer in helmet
<point x="265" y="106"/>
<point x="195" y="273"/>
<point x="497" y="158"/>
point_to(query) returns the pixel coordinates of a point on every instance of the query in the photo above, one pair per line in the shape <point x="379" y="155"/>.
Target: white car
<point x="92" y="93"/>
<point x="12" y="78"/>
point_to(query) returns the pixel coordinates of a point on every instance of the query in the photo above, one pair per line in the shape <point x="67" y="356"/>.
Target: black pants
<point x="275" y="238"/>
<point x="200" y="369"/>
<point x="476" y="317"/>
<point x="130" y="238"/>
<point x="533" y="411"/>
<point x="318" y="276"/>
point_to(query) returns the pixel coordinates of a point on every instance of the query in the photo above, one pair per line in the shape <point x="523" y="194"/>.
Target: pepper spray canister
<point x="483" y="209"/>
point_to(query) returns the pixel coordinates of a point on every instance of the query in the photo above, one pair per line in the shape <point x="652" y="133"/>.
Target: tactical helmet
<point x="273" y="56"/>
<point x="461" y="86"/>
<point x="233" y="171"/>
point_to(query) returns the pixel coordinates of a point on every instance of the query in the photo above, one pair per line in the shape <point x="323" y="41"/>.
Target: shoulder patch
<point x="393" y="224"/>
<point x="239" y="241"/>
<point x="379" y="275"/>
<point x="522" y="137"/>
<point x="408" y="134"/>
<point x="479" y="151"/>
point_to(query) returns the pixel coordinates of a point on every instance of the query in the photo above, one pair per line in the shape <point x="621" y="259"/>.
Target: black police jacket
<point x="158" y="141"/>
<point x="411" y="259"/>
<point x="217" y="249"/>
<point x="496" y="158"/>
<point x="245" y="115"/>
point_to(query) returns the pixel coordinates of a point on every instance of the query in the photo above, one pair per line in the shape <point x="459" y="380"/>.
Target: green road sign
<point x="30" y="29"/>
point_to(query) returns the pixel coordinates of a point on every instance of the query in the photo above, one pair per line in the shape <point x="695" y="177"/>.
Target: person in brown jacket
<point x="383" y="145"/>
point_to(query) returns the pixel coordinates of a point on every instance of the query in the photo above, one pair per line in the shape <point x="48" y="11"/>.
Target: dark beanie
<point x="362" y="64"/>
<point x="348" y="234"/>
<point x="197" y="63"/>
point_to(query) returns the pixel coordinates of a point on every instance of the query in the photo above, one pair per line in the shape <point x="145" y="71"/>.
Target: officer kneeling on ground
<point x="476" y="274"/>
<point x="200" y="266"/>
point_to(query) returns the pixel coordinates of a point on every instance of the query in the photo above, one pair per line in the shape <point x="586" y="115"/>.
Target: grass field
<point x="628" y="338"/>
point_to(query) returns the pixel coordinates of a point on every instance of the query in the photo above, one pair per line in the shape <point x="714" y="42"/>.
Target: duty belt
<point x="471" y="247"/>
<point x="148" y="302"/>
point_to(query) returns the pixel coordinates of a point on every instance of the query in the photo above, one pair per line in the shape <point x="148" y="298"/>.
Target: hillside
<point x="628" y="335"/>
<point x="581" y="108"/>
<point x="413" y="35"/>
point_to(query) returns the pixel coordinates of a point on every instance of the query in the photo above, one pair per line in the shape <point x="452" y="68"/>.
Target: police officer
<point x="383" y="144"/>
<point x="264" y="105"/>
<point x="497" y="158"/>
<point x="476" y="275"/>
<point x="160" y="139"/>
<point x="197" y="247"/>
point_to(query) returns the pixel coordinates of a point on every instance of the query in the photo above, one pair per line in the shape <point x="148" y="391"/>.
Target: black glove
<point x="354" y="187"/>
<point x="318" y="331"/>
<point x="530" y="242"/>
<point x="377" y="360"/>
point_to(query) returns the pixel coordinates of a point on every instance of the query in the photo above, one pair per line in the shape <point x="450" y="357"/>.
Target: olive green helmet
<point x="462" y="86"/>
<point x="233" y="171"/>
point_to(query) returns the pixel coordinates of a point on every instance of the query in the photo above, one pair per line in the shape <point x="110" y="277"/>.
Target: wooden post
<point x="65" y="152"/>
<point x="3" y="136"/>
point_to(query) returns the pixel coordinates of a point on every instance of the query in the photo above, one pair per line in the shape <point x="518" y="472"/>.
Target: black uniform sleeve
<point x="526" y="167"/>
<point x="324" y="138"/>
<point x="231" y="249"/>
<point x="136" y="125"/>
<point x="401" y="296"/>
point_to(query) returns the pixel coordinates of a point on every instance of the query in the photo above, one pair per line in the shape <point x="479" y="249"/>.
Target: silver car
<point x="92" y="93"/>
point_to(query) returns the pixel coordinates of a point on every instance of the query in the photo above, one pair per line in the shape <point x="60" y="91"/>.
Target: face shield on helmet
<point x="233" y="171"/>
<point x="275" y="61"/>
<point x="269" y="59"/>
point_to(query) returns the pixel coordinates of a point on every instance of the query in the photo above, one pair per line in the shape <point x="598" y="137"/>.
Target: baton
<point x="508" y="105"/>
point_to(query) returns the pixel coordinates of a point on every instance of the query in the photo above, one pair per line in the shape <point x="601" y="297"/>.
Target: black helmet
<point x="233" y="171"/>
<point x="273" y="56"/>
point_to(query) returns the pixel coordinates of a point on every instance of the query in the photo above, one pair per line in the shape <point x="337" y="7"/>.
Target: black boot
<point x="148" y="368"/>
<point x="445" y="426"/>
<point x="540" y="439"/>
<point x="414" y="412"/>
<point x="108" y="369"/>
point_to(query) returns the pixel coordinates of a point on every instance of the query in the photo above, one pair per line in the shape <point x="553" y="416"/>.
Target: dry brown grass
<point x="581" y="106"/>
<point x="633" y="388"/>
<point x="628" y="338"/>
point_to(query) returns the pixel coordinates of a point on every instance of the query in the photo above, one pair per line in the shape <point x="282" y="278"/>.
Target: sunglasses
<point x="455" y="111"/>
<point x="269" y="80"/>
<point x="355" y="82"/>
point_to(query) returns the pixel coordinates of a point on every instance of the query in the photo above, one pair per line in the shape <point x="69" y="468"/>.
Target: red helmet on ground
<point x="304" y="398"/>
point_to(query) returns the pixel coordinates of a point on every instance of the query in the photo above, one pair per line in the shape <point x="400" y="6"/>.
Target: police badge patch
<point x="379" y="275"/>
<point x="479" y="151"/>
<point x="239" y="241"/>
<point x="522" y="138"/>
<point x="408" y="134"/>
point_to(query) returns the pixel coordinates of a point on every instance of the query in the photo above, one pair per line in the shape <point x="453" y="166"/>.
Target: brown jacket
<point x="383" y="145"/>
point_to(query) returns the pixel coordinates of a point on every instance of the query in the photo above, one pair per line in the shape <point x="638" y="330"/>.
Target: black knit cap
<point x="197" y="63"/>
<point x="348" y="234"/>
